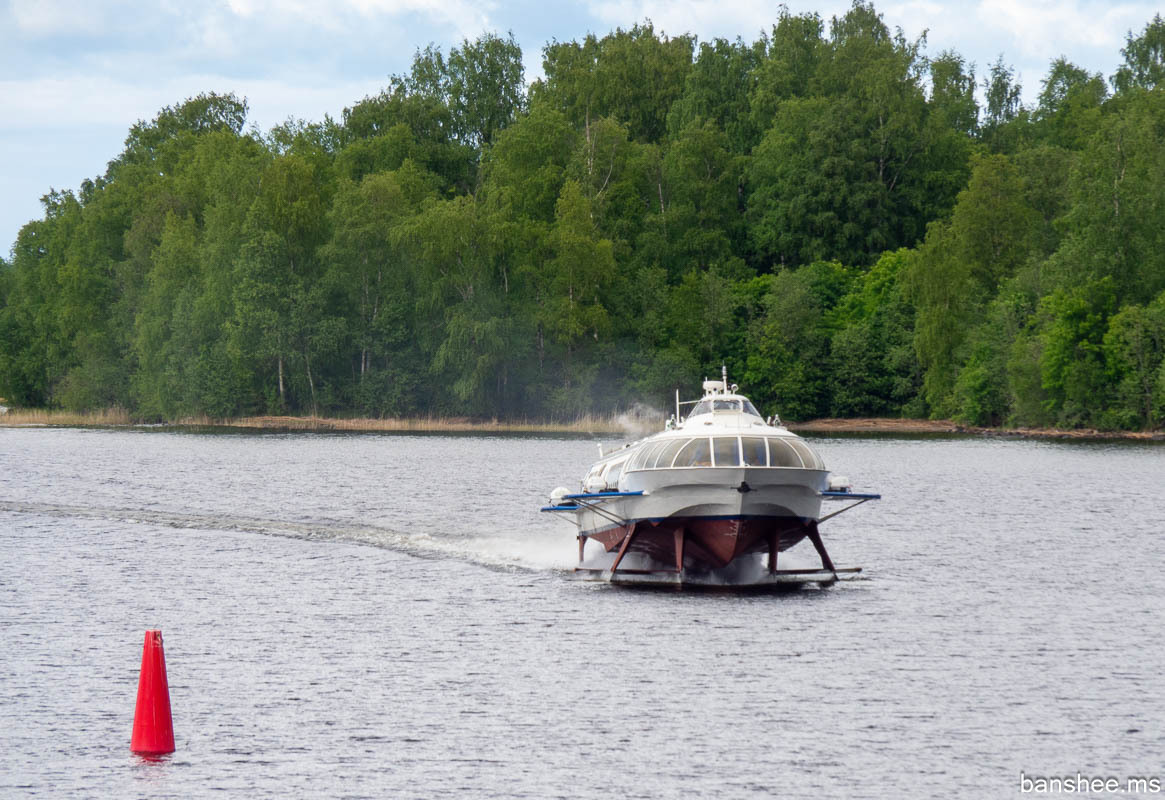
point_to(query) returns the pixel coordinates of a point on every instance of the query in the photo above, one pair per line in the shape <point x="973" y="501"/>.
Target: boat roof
<point x="723" y="408"/>
<point x="720" y="411"/>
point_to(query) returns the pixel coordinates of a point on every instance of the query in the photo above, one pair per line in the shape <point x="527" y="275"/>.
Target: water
<point x="390" y="616"/>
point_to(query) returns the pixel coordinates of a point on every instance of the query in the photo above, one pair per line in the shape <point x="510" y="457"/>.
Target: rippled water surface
<point x="390" y="616"/>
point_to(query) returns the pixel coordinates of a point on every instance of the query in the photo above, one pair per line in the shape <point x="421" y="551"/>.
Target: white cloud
<point x="50" y="17"/>
<point x="278" y="13"/>
<point x="1046" y="30"/>
<point x="63" y="102"/>
<point x="79" y="101"/>
<point x="466" y="18"/>
<point x="705" y="18"/>
<point x="943" y="27"/>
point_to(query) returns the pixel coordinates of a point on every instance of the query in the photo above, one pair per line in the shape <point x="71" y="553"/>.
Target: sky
<point x="75" y="75"/>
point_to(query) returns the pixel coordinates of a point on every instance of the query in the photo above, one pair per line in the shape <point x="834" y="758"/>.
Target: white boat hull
<point x="711" y="493"/>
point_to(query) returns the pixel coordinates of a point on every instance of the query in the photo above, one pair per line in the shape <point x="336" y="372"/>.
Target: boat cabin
<point x="723" y="429"/>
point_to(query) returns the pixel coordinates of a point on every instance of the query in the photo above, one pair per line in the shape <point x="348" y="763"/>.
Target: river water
<point x="390" y="616"/>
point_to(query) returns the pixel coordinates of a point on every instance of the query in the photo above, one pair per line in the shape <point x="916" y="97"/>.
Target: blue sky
<point x="76" y="74"/>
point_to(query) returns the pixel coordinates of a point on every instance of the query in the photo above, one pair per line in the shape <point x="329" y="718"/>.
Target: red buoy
<point x="153" y="729"/>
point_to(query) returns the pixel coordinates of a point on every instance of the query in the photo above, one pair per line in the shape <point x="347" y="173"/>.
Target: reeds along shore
<point x="43" y="416"/>
<point x="116" y="417"/>
<point x="584" y="424"/>
<point x="625" y="425"/>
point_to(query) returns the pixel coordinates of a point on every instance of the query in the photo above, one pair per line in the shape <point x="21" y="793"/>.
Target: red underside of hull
<point x="707" y="543"/>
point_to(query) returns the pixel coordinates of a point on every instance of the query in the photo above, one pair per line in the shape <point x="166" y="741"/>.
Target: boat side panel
<point x="714" y="491"/>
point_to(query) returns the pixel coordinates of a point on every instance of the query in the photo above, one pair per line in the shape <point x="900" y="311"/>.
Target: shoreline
<point x="118" y="418"/>
<point x="613" y="425"/>
<point x="913" y="427"/>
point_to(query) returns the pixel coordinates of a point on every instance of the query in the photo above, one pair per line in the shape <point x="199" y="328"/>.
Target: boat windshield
<point x="716" y="404"/>
<point x="719" y="451"/>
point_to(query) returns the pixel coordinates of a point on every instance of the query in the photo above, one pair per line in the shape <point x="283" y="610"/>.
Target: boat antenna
<point x="724" y="375"/>
<point x="677" y="405"/>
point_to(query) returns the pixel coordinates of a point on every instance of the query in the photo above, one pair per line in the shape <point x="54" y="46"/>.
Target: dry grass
<point x="874" y="425"/>
<point x="40" y="416"/>
<point x="613" y="424"/>
<point x="909" y="427"/>
<point x="584" y="424"/>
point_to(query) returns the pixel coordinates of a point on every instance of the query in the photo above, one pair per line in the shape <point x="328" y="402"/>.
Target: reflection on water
<point x="375" y="616"/>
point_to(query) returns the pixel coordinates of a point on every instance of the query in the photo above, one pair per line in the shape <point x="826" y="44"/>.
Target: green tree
<point x="486" y="86"/>
<point x="578" y="273"/>
<point x="992" y="232"/>
<point x="620" y="179"/>
<point x="953" y="92"/>
<point x="427" y="118"/>
<point x="526" y="167"/>
<point x="260" y="335"/>
<point x="796" y="50"/>
<point x="1144" y="66"/>
<point x="152" y="142"/>
<point x="845" y="174"/>
<point x="481" y="84"/>
<point x="468" y="332"/>
<point x="1068" y="112"/>
<point x="1115" y="223"/>
<point x="369" y="267"/>
<point x="276" y="276"/>
<point x="631" y="75"/>
<point x="1005" y="123"/>
<point x="21" y="365"/>
<point x="1134" y="350"/>
<point x="789" y="341"/>
<point x="872" y="367"/>
<point x="696" y="222"/>
<point x="165" y="346"/>
<point x="717" y="90"/>
<point x="1073" y="324"/>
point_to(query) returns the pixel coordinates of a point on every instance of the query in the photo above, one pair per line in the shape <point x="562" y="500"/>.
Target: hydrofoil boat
<point x="712" y="500"/>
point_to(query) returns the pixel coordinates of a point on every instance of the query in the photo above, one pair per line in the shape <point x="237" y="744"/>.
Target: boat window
<point x="644" y="457"/>
<point x="749" y="408"/>
<point x="695" y="453"/>
<point x="782" y="455"/>
<point x="591" y="480"/>
<point x="725" y="405"/>
<point x="637" y="459"/>
<point x="702" y="407"/>
<point x="807" y="455"/>
<point x="755" y="453"/>
<point x="668" y="454"/>
<point x="653" y="453"/>
<point x="726" y="450"/>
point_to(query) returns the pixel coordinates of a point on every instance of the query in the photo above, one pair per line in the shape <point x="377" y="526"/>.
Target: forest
<point x="827" y="210"/>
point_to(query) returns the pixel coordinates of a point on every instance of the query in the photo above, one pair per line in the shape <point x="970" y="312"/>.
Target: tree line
<point x="827" y="210"/>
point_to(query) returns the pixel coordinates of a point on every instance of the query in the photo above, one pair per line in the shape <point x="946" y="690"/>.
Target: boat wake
<point x="493" y="551"/>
